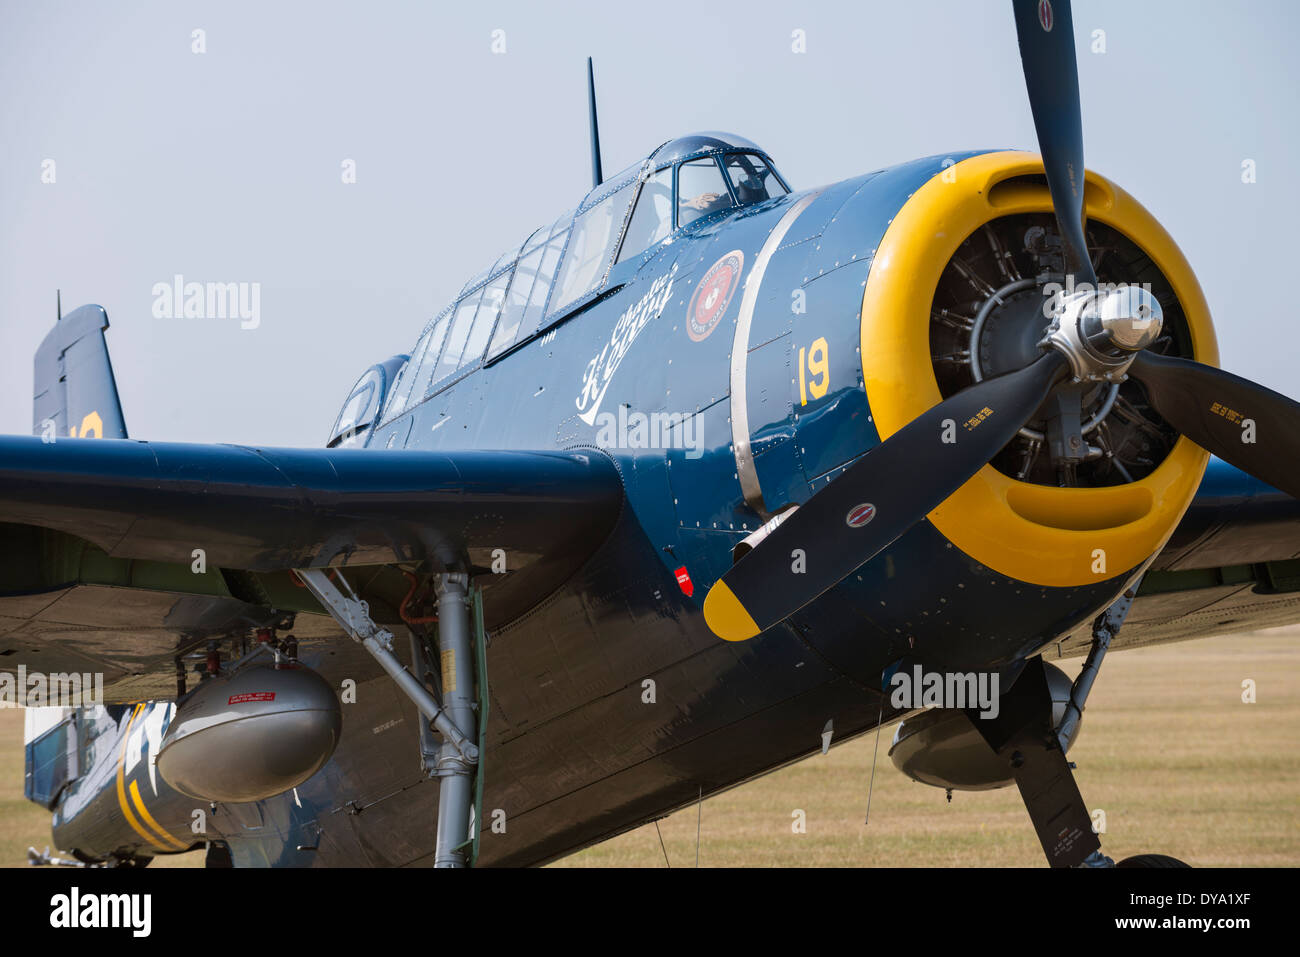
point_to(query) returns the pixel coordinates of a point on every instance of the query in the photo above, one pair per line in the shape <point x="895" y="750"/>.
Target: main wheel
<point x="1152" y="860"/>
<point x="218" y="855"/>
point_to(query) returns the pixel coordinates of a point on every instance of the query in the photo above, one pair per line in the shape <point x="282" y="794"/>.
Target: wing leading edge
<point x="267" y="509"/>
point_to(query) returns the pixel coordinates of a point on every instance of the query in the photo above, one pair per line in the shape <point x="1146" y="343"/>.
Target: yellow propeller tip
<point x="726" y="616"/>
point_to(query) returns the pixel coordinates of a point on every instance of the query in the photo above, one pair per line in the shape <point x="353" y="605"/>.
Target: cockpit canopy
<point x="560" y="266"/>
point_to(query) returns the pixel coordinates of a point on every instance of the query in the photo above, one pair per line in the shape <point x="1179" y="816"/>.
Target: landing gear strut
<point x="455" y="768"/>
<point x="458" y="757"/>
<point x="1023" y="734"/>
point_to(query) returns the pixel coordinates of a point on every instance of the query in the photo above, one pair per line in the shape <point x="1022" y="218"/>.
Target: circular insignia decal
<point x="859" y="515"/>
<point x="712" y="296"/>
<point x="1045" y="16"/>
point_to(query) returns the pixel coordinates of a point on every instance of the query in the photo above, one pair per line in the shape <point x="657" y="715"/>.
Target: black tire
<point x="1152" y="860"/>
<point x="218" y="855"/>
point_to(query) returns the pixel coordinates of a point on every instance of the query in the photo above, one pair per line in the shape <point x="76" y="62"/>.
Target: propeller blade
<point x="1046" y="33"/>
<point x="1243" y="423"/>
<point x="875" y="501"/>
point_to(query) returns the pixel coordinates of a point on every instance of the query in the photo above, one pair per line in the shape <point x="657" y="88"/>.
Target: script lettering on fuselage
<point x="600" y="370"/>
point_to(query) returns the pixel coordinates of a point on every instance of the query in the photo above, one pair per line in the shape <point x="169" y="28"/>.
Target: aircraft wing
<point x="1232" y="565"/>
<point x="192" y="542"/>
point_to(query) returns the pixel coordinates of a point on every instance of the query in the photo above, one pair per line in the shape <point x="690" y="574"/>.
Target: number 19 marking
<point x="816" y="360"/>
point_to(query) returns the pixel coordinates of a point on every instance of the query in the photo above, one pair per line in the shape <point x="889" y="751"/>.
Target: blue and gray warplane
<point x="925" y="423"/>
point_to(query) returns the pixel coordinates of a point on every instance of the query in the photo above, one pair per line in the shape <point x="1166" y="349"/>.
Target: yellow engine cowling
<point x="1034" y="533"/>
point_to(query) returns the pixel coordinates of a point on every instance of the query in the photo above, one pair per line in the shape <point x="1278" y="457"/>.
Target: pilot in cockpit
<point x="705" y="203"/>
<point x="700" y="190"/>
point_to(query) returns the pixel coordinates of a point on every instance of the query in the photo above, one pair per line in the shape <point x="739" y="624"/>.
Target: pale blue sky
<point x="225" y="166"/>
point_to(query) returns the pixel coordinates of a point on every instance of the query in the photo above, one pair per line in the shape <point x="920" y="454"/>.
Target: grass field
<point x="1167" y="750"/>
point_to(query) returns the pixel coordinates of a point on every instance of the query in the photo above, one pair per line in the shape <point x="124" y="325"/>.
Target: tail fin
<point x="75" y="392"/>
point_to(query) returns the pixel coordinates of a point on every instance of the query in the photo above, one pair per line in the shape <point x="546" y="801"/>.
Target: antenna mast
<point x="596" y="176"/>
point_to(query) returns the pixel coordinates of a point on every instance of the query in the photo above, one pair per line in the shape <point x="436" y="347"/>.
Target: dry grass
<point x="1168" y="750"/>
<point x="22" y="824"/>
